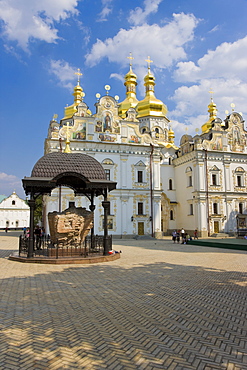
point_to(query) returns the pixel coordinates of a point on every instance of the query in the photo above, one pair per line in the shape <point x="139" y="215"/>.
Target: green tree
<point x="38" y="211"/>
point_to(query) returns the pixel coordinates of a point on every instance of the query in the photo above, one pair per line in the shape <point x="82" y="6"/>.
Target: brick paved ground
<point x="161" y="306"/>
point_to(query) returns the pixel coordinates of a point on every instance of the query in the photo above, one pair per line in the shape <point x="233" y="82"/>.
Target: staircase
<point x="220" y="235"/>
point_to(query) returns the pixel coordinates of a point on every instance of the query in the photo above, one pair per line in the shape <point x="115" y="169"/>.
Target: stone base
<point x="65" y="260"/>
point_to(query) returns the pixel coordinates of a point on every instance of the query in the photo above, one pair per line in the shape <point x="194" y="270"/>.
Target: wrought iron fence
<point x="43" y="247"/>
<point x="242" y="232"/>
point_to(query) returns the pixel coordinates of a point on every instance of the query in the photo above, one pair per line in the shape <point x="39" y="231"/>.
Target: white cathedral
<point x="202" y="184"/>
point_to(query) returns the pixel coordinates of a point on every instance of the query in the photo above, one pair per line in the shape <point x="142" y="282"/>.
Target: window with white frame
<point x="170" y="184"/>
<point x="140" y="208"/>
<point x="189" y="176"/>
<point x="139" y="176"/>
<point x="140" y="172"/>
<point x="108" y="173"/>
<point x="215" y="208"/>
<point x="239" y="177"/>
<point x="214" y="176"/>
<point x="108" y="164"/>
<point x="171" y="215"/>
<point x="241" y="208"/>
<point x="191" y="209"/>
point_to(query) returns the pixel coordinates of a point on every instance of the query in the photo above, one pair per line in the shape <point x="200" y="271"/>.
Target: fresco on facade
<point x="80" y="134"/>
<point x="106" y="137"/>
<point x="134" y="139"/>
<point x="107" y="126"/>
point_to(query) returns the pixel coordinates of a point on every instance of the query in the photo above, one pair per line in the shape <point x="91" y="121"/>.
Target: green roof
<point x="2" y="197"/>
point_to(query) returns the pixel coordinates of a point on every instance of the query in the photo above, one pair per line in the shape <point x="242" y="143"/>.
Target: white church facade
<point x="202" y="184"/>
<point x="14" y="212"/>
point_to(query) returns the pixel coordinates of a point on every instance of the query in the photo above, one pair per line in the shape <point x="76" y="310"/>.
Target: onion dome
<point x="130" y="100"/>
<point x="212" y="110"/>
<point x="150" y="105"/>
<point x="171" y="136"/>
<point x="71" y="109"/>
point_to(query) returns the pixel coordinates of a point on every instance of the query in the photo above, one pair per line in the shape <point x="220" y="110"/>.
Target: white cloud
<point x="106" y="10"/>
<point x="10" y="183"/>
<point x="228" y="60"/>
<point x="117" y="76"/>
<point x="139" y="16"/>
<point x="64" y="73"/>
<point x="192" y="103"/>
<point x="224" y="71"/>
<point x="26" y="20"/>
<point x="168" y="47"/>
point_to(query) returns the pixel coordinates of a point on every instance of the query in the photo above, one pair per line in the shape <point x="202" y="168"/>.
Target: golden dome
<point x="130" y="101"/>
<point x="171" y="136"/>
<point x="72" y="109"/>
<point x="212" y="110"/>
<point x="150" y="105"/>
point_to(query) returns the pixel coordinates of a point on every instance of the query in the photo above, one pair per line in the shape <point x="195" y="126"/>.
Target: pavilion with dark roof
<point x="80" y="172"/>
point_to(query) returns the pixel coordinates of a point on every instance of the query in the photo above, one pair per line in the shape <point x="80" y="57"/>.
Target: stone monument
<point x="71" y="226"/>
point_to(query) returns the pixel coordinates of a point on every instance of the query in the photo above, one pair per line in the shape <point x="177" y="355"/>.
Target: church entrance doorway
<point x="140" y="228"/>
<point x="216" y="227"/>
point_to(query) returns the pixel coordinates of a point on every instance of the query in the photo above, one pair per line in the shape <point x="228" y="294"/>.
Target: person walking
<point x="195" y="234"/>
<point x="174" y="235"/>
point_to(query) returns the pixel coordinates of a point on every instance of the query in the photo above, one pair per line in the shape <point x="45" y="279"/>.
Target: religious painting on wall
<point x="80" y="133"/>
<point x="134" y="139"/>
<point x="106" y="137"/>
<point x="217" y="144"/>
<point x="107" y="122"/>
<point x="98" y="126"/>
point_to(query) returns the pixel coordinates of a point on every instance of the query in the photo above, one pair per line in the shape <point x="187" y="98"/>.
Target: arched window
<point x="108" y="165"/>
<point x="215" y="208"/>
<point x="171" y="215"/>
<point x="188" y="172"/>
<point x="170" y="187"/>
<point x="240" y="208"/>
<point x="239" y="177"/>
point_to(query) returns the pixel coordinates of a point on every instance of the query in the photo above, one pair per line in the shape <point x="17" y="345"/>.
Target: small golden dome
<point x="212" y="110"/>
<point x="150" y="105"/>
<point x="130" y="101"/>
<point x="72" y="109"/>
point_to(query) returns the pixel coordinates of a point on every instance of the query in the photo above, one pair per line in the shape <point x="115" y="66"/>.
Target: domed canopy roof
<point x="53" y="164"/>
<point x="78" y="171"/>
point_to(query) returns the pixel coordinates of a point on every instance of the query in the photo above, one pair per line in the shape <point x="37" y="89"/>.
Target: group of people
<point x="181" y="235"/>
<point x="39" y="235"/>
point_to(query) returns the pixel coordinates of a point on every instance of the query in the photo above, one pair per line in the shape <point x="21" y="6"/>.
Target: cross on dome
<point x="149" y="61"/>
<point x="78" y="73"/>
<point x="130" y="58"/>
<point x="211" y="92"/>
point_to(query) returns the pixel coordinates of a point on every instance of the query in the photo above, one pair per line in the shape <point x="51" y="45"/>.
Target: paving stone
<point x="160" y="306"/>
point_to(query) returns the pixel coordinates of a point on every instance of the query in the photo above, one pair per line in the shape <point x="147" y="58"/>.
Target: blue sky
<point x="195" y="46"/>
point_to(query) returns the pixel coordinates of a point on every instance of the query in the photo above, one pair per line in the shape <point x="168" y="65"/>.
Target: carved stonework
<point x="70" y="226"/>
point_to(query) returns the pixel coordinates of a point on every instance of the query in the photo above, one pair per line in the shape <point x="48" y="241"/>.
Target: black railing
<point x="242" y="232"/>
<point x="43" y="247"/>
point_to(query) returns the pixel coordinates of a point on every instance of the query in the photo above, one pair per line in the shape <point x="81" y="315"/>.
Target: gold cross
<point x="67" y="131"/>
<point x="67" y="147"/>
<point x="130" y="58"/>
<point x="78" y="73"/>
<point x="211" y="92"/>
<point x="148" y="60"/>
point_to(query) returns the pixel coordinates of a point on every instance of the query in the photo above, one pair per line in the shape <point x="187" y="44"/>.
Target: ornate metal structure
<point x="82" y="173"/>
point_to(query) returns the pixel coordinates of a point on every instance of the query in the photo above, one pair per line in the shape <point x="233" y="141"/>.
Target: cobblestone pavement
<point x="160" y="306"/>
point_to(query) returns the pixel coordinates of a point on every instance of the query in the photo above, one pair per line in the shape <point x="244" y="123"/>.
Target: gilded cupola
<point x="212" y="110"/>
<point x="171" y="136"/>
<point x="150" y="105"/>
<point x="130" y="101"/>
<point x="78" y="94"/>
